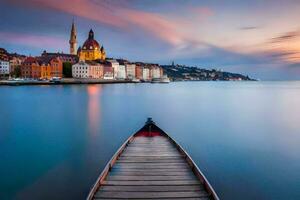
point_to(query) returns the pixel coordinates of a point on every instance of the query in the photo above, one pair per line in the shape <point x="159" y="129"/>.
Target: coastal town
<point x="89" y="64"/>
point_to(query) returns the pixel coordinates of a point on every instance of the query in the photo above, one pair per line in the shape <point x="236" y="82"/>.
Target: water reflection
<point x="94" y="98"/>
<point x="244" y="136"/>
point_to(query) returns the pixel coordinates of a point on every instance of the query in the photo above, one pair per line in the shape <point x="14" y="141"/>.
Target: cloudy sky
<point x="254" y="37"/>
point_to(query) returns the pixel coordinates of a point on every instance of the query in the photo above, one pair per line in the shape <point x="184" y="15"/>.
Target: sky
<point x="257" y="38"/>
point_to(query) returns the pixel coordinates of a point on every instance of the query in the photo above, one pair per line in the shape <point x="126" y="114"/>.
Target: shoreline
<point x="63" y="82"/>
<point x="92" y="81"/>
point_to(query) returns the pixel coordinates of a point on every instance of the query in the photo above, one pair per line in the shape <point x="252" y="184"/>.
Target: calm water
<point x="244" y="136"/>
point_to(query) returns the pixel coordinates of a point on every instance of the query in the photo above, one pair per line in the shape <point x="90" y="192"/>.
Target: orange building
<point x="42" y="67"/>
<point x="50" y="67"/>
<point x="139" y="72"/>
<point x="27" y="65"/>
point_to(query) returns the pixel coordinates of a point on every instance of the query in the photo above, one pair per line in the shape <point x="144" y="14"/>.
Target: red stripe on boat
<point x="148" y="134"/>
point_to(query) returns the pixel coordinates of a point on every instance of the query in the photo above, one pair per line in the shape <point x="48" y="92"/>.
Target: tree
<point x="67" y="69"/>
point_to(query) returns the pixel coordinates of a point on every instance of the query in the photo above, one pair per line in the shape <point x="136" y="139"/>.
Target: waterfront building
<point x="15" y="60"/>
<point x="63" y="57"/>
<point x="146" y="74"/>
<point x="115" y="65"/>
<point x="73" y="40"/>
<point x="4" y="55"/>
<point x="27" y="65"/>
<point x="138" y="72"/>
<point x="108" y="72"/>
<point x="45" y="67"/>
<point x="50" y="67"/>
<point x="156" y="72"/>
<point x="121" y="74"/>
<point x="87" y="69"/>
<point x="4" y="68"/>
<point x="130" y="70"/>
<point x="91" y="49"/>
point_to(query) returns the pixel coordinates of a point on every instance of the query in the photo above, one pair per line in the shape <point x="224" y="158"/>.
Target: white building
<point x="156" y="72"/>
<point x="115" y="65"/>
<point x="4" y="68"/>
<point x="121" y="72"/>
<point x="146" y="74"/>
<point x="87" y="69"/>
<point x="130" y="69"/>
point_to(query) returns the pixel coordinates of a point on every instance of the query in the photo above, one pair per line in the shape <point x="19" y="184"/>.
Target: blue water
<point x="244" y="136"/>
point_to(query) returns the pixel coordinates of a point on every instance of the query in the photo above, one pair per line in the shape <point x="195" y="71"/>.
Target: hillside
<point x="186" y="73"/>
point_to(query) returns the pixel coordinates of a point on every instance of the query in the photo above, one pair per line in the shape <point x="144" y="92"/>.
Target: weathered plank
<point x="151" y="139"/>
<point x="151" y="143"/>
<point x="151" y="173"/>
<point x="185" y="182"/>
<point x="199" y="198"/>
<point x="158" y="152"/>
<point x="154" y="188"/>
<point x="154" y="195"/>
<point x="150" y="156"/>
<point x="151" y="161"/>
<point x="153" y="150"/>
<point x="149" y="178"/>
<point x="120" y="164"/>
<point x="151" y="168"/>
<point x="150" y="148"/>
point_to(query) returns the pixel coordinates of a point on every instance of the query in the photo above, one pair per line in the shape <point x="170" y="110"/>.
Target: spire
<point x="91" y="35"/>
<point x="73" y="29"/>
<point x="73" y="39"/>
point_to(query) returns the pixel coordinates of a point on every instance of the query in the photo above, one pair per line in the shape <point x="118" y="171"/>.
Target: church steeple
<point x="91" y="34"/>
<point x="73" y="39"/>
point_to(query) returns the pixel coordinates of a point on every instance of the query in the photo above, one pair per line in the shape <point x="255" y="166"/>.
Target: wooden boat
<point x="151" y="165"/>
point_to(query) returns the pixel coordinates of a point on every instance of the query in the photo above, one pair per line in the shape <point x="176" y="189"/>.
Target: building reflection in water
<point x="94" y="97"/>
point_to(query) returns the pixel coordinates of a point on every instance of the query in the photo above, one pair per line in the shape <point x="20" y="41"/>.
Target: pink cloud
<point x="166" y="27"/>
<point x="99" y="11"/>
<point x="201" y="13"/>
<point x="156" y="24"/>
<point x="32" y="40"/>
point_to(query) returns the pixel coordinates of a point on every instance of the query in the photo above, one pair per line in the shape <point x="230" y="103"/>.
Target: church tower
<point x="73" y="40"/>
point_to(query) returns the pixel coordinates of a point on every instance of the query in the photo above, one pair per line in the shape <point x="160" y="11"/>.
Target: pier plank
<point x="151" y="168"/>
<point x="165" y="182"/>
<point x="152" y="173"/>
<point x="199" y="198"/>
<point x="149" y="178"/>
<point x="153" y="188"/>
<point x="154" y="195"/>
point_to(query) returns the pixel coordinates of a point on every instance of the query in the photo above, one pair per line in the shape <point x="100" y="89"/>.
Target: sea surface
<point x="244" y="136"/>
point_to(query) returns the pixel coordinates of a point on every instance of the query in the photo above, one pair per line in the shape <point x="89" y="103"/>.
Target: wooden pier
<point x="150" y="165"/>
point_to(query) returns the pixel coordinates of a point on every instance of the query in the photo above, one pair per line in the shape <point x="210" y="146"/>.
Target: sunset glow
<point x="250" y="37"/>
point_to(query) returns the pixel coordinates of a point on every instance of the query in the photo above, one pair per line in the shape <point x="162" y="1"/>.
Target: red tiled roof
<point x="30" y="60"/>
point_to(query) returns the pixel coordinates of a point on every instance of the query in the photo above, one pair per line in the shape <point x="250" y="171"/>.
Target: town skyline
<point x="249" y="41"/>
